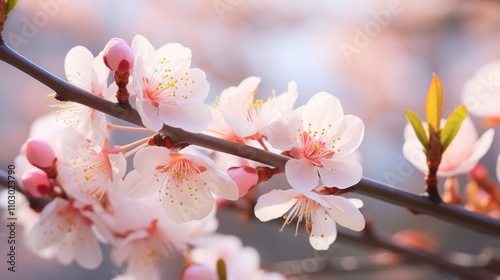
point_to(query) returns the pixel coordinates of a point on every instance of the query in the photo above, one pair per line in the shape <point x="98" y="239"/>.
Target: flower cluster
<point x="166" y="205"/>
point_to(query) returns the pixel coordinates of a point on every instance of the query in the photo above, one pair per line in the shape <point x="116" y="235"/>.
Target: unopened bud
<point x="40" y="153"/>
<point x="199" y="272"/>
<point x="245" y="178"/>
<point x="36" y="183"/>
<point x="118" y="55"/>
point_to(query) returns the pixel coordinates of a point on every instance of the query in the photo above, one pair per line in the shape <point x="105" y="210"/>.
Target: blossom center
<point x="304" y="210"/>
<point x="312" y="149"/>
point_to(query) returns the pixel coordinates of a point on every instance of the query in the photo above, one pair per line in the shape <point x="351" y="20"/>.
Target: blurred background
<point x="376" y="57"/>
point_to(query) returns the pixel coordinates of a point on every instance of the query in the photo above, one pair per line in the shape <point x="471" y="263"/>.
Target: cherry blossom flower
<point x="318" y="212"/>
<point x="185" y="183"/>
<point x="237" y="115"/>
<point x="141" y="235"/>
<point x="319" y="137"/>
<point x="142" y="238"/>
<point x="167" y="90"/>
<point x="242" y="263"/>
<point x="460" y="157"/>
<point x="88" y="73"/>
<point x="66" y="228"/>
<point x="481" y="94"/>
<point x="87" y="174"/>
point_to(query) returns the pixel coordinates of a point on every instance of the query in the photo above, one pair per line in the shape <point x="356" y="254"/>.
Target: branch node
<point x="60" y="98"/>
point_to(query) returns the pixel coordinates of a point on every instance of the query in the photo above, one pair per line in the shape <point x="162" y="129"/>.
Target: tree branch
<point x="366" y="186"/>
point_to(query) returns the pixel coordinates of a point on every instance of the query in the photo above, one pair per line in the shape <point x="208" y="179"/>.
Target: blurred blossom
<point x="242" y="263"/>
<point x="481" y="94"/>
<point x="460" y="157"/>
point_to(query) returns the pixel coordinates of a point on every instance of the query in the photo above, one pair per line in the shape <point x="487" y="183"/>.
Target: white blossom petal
<point x="345" y="213"/>
<point x="241" y="127"/>
<point x="193" y="116"/>
<point x="322" y="102"/>
<point x="301" y="174"/>
<point x="78" y="67"/>
<point x="352" y="135"/>
<point x="138" y="186"/>
<point x="274" y="204"/>
<point x="147" y="159"/>
<point x="323" y="232"/>
<point x="340" y="173"/>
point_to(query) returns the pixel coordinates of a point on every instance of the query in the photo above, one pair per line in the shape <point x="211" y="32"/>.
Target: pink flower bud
<point x="118" y="55"/>
<point x="40" y="153"/>
<point x="35" y="182"/>
<point x="245" y="178"/>
<point x="199" y="272"/>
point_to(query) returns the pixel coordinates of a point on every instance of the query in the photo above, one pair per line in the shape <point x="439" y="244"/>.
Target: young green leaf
<point x="452" y="126"/>
<point x="221" y="269"/>
<point x="434" y="106"/>
<point x="11" y="4"/>
<point x="416" y="123"/>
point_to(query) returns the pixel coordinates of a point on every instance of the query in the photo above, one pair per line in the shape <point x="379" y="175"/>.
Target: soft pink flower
<point x="88" y="73"/>
<point x="39" y="153"/>
<point x="36" y="183"/>
<point x="87" y="173"/>
<point x="460" y="157"/>
<point x="318" y="212"/>
<point x="141" y="236"/>
<point x="199" y="272"/>
<point x="242" y="263"/>
<point x="118" y="55"/>
<point x="66" y="228"/>
<point x="185" y="183"/>
<point x="167" y="89"/>
<point x="237" y="115"/>
<point x="318" y="137"/>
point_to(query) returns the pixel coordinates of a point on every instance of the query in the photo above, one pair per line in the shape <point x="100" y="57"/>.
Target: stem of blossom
<point x="265" y="173"/>
<point x="122" y="95"/>
<point x="134" y="150"/>
<point x="128" y="128"/>
<point x="433" y="161"/>
<point x="50" y="171"/>
<point x="124" y="148"/>
<point x="261" y="142"/>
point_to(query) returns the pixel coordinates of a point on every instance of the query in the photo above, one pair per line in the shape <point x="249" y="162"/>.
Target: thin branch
<point x="438" y="260"/>
<point x="435" y="259"/>
<point x="421" y="204"/>
<point x="366" y="186"/>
